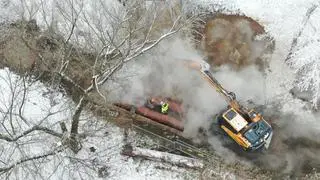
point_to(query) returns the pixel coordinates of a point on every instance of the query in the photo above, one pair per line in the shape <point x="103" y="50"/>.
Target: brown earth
<point x="232" y="39"/>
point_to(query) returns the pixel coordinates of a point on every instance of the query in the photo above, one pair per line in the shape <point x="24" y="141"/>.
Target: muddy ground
<point x="238" y="41"/>
<point x="21" y="44"/>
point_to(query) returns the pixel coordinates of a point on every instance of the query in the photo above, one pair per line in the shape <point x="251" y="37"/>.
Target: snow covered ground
<point x="282" y="21"/>
<point x="43" y="107"/>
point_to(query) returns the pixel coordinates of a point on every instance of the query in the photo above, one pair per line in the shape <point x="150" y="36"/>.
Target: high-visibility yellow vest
<point x="164" y="108"/>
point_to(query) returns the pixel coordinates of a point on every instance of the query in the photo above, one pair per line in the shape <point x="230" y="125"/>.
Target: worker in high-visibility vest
<point x="164" y="107"/>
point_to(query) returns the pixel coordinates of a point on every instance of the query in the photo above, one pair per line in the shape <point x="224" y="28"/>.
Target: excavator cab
<point x="250" y="130"/>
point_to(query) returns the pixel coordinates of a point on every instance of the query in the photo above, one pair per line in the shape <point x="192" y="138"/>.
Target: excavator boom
<point x="228" y="95"/>
<point x="204" y="69"/>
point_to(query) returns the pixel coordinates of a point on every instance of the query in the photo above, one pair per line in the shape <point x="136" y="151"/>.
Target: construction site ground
<point x="21" y="44"/>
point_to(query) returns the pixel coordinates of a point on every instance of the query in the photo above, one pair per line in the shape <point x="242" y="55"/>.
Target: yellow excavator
<point x="245" y="126"/>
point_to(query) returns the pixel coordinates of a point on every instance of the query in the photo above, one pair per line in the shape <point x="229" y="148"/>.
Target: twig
<point x="304" y="23"/>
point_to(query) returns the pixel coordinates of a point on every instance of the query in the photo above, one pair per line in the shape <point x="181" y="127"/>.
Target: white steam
<point x="161" y="73"/>
<point x="247" y="83"/>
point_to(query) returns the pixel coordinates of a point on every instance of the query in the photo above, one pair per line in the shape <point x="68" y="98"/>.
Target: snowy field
<point x="26" y="105"/>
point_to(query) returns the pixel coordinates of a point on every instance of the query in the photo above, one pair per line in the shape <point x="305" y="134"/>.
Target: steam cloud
<point x="160" y="72"/>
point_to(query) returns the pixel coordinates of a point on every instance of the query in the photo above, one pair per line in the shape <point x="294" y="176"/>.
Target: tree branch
<point x="34" y="128"/>
<point x="304" y="23"/>
<point x="51" y="153"/>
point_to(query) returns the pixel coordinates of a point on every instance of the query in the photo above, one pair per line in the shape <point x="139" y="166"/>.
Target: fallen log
<point x="159" y="156"/>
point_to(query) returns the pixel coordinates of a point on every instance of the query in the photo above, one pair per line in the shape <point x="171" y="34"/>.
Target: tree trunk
<point x="76" y="115"/>
<point x="74" y="143"/>
<point x="173" y="159"/>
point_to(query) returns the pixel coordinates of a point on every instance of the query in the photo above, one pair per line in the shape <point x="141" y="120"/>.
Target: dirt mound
<point x="235" y="40"/>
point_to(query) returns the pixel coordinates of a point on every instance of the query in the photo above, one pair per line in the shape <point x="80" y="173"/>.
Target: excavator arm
<point x="204" y="68"/>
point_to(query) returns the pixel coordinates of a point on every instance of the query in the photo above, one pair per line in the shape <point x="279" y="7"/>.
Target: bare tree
<point x="111" y="36"/>
<point x="33" y="145"/>
<point x="306" y="64"/>
<point x="20" y="128"/>
<point x="120" y="37"/>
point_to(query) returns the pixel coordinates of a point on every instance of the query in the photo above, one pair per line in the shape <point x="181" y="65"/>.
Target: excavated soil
<point x="235" y="40"/>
